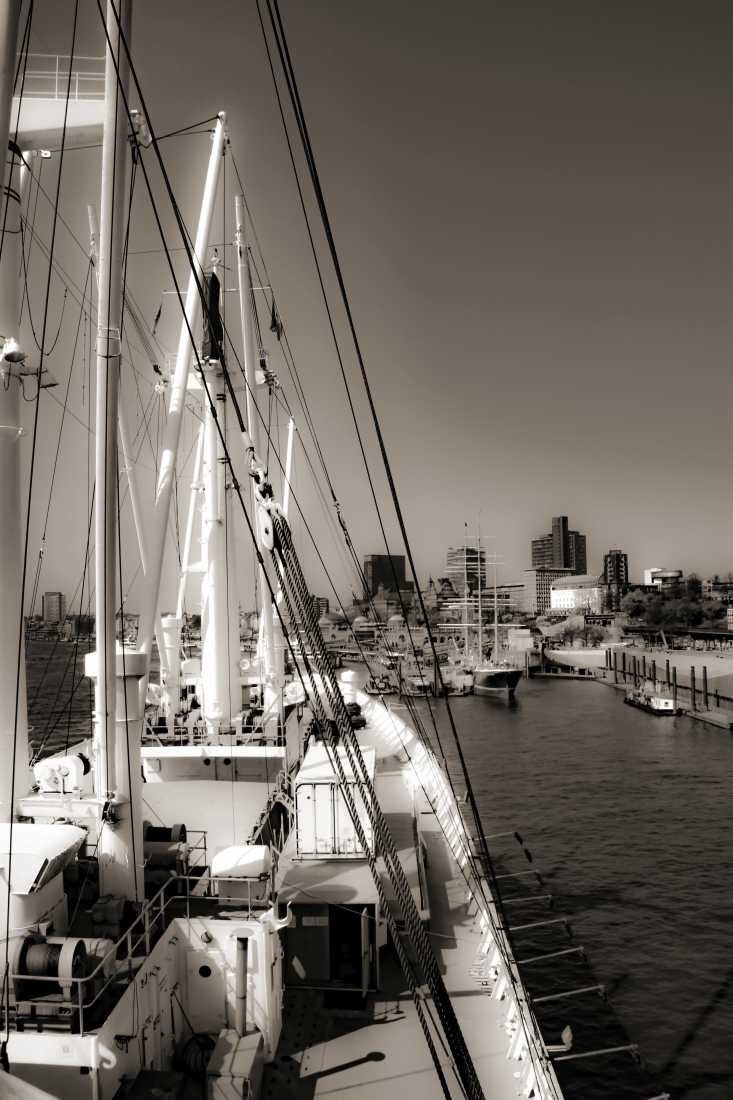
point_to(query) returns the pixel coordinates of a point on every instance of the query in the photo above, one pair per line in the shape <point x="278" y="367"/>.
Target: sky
<point x="532" y="205"/>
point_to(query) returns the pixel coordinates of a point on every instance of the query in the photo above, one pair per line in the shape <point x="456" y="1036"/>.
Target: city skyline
<point x="557" y="384"/>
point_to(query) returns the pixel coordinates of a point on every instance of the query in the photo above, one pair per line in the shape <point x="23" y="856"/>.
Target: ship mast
<point x="13" y="709"/>
<point x="496" y="615"/>
<point x="220" y="667"/>
<point x="177" y="396"/>
<point x="272" y="680"/>
<point x="480" y="609"/>
<point x="465" y="592"/>
<point x="117" y="718"/>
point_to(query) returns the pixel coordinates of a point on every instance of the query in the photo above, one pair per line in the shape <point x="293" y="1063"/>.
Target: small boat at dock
<point x="654" y="702"/>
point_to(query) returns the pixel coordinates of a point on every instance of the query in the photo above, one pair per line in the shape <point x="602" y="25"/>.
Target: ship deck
<point x="378" y="1049"/>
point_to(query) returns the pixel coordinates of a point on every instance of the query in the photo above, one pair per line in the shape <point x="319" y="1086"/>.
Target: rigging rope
<point x="6" y="976"/>
<point x="193" y="267"/>
<point x="283" y="50"/>
<point x="41" y="551"/>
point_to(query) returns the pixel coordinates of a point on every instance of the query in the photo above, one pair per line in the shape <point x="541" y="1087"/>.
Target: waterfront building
<point x="537" y="588"/>
<point x="54" y="607"/>
<point x="717" y="589"/>
<point x="663" y="579"/>
<point x="616" y="576"/>
<point x="730" y="618"/>
<point x="561" y="548"/>
<point x="586" y="593"/>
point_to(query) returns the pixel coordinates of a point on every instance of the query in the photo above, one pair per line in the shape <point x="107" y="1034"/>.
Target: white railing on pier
<point x="47" y="77"/>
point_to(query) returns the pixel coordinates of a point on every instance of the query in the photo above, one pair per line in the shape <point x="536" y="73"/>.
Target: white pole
<point x="169" y="644"/>
<point x="109" y="319"/>
<point x="13" y="720"/>
<point x="272" y="656"/>
<point x="288" y="468"/>
<point x="219" y="606"/>
<point x="116" y="739"/>
<point x="190" y="518"/>
<point x="177" y="399"/>
<point x="129" y="465"/>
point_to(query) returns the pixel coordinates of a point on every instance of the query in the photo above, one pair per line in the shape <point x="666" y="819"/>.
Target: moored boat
<point x="493" y="679"/>
<point x="653" y="701"/>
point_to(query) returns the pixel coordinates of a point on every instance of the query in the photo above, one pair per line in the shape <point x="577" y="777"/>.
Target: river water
<point x="628" y="818"/>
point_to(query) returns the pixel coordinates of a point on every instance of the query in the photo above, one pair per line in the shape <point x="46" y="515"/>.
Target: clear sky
<point x="533" y="204"/>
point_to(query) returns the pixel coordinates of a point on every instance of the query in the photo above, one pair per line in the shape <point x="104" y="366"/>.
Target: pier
<point x="695" y="699"/>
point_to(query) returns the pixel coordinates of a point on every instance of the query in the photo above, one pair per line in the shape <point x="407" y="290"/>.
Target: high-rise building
<point x="538" y="588"/>
<point x="54" y="607"/>
<point x="561" y="548"/>
<point x="464" y="567"/>
<point x="616" y="576"/>
<point x="387" y="571"/>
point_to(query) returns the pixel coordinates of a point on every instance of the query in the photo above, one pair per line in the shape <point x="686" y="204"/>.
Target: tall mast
<point x="272" y="654"/>
<point x="496" y="614"/>
<point x="220" y="668"/>
<point x="480" y="609"/>
<point x="177" y="397"/>
<point x="465" y="590"/>
<point x="117" y="724"/>
<point x="13" y="711"/>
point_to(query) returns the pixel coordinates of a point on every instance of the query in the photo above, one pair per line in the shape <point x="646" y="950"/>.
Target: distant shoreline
<point x="719" y="665"/>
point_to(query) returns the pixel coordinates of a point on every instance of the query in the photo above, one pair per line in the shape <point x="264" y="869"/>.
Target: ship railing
<point x="117" y="968"/>
<point x="47" y="76"/>
<point x="200" y="858"/>
<point x="251" y="733"/>
<point x="496" y="940"/>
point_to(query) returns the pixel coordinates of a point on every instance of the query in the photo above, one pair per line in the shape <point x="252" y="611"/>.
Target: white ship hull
<point x="590" y="658"/>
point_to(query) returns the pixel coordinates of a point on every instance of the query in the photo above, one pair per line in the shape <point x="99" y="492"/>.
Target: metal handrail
<point x="58" y="77"/>
<point x="197" y="735"/>
<point x="140" y="932"/>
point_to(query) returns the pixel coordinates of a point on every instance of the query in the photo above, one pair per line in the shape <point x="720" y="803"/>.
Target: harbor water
<point x="627" y="817"/>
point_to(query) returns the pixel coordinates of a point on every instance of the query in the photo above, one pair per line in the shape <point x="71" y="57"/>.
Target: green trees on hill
<point x="682" y="605"/>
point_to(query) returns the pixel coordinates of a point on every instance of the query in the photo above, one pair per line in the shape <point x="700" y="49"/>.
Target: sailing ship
<point x="495" y="676"/>
<point x="245" y="835"/>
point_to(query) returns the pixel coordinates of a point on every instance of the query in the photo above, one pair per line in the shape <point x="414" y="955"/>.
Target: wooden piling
<point x="693" y="692"/>
<point x="643" y="667"/>
<point x="653" y="673"/>
<point x="705" y="701"/>
<point x="666" y="672"/>
<point x="623" y="665"/>
<point x="615" y="666"/>
<point x="674" y="686"/>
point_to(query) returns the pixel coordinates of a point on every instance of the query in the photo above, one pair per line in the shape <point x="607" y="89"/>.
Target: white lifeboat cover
<point x="242" y="861"/>
<point x="39" y="853"/>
